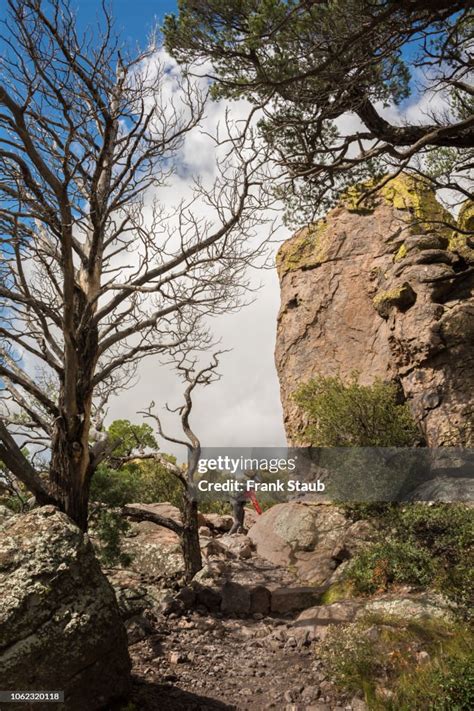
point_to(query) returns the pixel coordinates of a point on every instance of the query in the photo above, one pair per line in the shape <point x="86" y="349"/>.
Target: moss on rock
<point x="340" y="590"/>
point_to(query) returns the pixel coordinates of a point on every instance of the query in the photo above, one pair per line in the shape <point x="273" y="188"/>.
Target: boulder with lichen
<point x="60" y="626"/>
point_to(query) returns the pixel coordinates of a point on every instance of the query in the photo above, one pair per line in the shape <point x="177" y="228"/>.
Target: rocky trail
<point x="245" y="633"/>
<point x="236" y="639"/>
<point x="208" y="662"/>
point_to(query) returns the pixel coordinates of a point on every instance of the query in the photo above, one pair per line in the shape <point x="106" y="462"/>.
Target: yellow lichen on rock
<point x="466" y="216"/>
<point x="415" y="195"/>
<point x="401" y="254"/>
<point x="404" y="192"/>
<point x="354" y="201"/>
<point x="401" y="296"/>
<point x="424" y="217"/>
<point x="306" y="249"/>
<point x="459" y="241"/>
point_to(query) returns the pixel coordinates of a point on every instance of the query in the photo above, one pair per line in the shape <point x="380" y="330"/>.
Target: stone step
<point x="232" y="598"/>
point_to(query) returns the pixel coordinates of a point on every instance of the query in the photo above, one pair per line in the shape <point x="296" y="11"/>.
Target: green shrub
<point x="109" y="528"/>
<point x="382" y="564"/>
<point x="352" y="415"/>
<point x="145" y="482"/>
<point x="447" y="532"/>
<point x="443" y="532"/>
<point x="446" y="529"/>
<point x="380" y="653"/>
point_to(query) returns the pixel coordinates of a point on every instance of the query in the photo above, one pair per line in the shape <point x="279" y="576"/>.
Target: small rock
<point x="177" y="657"/>
<point x="385" y="693"/>
<point x="326" y="686"/>
<point x="246" y="692"/>
<point x="310" y="693"/>
<point x="372" y="633"/>
<point x="422" y="656"/>
<point x="170" y="677"/>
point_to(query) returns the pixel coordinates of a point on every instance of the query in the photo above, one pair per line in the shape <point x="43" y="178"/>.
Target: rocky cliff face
<point x="386" y="292"/>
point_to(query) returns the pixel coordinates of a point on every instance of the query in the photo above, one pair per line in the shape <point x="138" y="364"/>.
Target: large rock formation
<point x="311" y="539"/>
<point x="388" y="293"/>
<point x="60" y="626"/>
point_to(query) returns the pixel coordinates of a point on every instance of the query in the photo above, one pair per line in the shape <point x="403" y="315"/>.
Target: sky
<point x="243" y="408"/>
<point x="134" y="18"/>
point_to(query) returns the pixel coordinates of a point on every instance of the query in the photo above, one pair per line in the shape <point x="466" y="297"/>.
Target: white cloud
<point x="243" y="408"/>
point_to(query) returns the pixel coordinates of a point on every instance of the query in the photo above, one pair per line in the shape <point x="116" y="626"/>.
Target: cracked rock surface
<point x="383" y="293"/>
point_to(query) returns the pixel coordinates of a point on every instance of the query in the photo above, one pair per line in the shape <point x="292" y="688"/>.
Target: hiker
<point x="238" y="512"/>
<point x="238" y="509"/>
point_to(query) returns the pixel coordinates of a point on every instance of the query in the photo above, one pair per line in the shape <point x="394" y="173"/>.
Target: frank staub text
<point x="241" y="474"/>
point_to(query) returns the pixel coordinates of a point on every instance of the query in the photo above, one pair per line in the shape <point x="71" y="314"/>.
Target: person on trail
<point x="238" y="509"/>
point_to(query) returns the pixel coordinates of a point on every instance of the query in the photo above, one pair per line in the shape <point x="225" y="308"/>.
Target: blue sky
<point x="134" y="18"/>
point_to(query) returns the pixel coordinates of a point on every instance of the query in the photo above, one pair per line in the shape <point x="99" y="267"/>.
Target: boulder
<point x="238" y="544"/>
<point x="260" y="600"/>
<point x="418" y="606"/>
<point x="310" y="538"/>
<point x="208" y="597"/>
<point x="446" y="489"/>
<point x="154" y="549"/>
<point x="314" y="622"/>
<point x="218" y="522"/>
<point x="133" y="595"/>
<point x="235" y="599"/>
<point x="284" y="600"/>
<point x="60" y="625"/>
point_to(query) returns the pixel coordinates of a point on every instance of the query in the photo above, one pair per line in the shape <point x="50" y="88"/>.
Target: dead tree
<point x="188" y="528"/>
<point x="94" y="273"/>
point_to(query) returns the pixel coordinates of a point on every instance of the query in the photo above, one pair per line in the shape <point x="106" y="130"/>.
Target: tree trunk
<point x="71" y="465"/>
<point x="70" y="473"/>
<point x="190" y="538"/>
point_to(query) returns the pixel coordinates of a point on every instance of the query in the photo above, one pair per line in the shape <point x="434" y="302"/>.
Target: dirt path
<point x="208" y="662"/>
